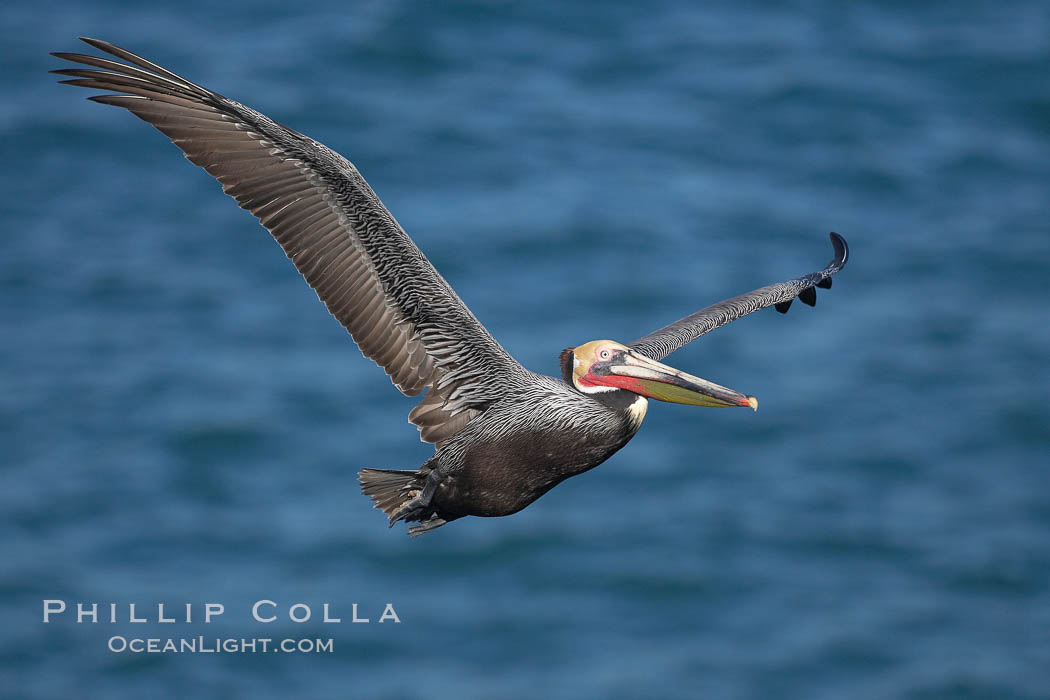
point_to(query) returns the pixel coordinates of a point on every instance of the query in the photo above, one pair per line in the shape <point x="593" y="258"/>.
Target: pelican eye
<point x="605" y="354"/>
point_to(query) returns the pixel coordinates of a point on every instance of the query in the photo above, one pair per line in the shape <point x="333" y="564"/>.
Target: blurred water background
<point x="181" y="421"/>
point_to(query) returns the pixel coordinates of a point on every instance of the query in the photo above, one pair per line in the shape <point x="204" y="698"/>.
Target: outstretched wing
<point x="659" y="344"/>
<point x="401" y="313"/>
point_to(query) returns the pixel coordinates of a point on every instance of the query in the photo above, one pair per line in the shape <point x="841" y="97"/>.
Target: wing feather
<point x="661" y="343"/>
<point x="374" y="280"/>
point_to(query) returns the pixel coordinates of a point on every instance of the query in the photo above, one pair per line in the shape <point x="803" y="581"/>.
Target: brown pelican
<point x="503" y="435"/>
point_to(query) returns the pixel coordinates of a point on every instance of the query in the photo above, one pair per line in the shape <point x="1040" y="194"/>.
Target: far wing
<point x="659" y="344"/>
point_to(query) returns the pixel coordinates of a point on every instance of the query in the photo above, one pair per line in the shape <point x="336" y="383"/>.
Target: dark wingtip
<point x="783" y="306"/>
<point x="841" y="249"/>
<point x="808" y="296"/>
<point x="103" y="46"/>
<point x="111" y="100"/>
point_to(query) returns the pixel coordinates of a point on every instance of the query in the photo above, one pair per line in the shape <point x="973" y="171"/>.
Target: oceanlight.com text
<point x="218" y="645"/>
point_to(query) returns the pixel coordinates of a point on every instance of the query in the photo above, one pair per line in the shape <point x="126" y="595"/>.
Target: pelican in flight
<point x="503" y="435"/>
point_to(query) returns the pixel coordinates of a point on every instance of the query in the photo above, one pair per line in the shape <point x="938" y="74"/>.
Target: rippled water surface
<point x="182" y="422"/>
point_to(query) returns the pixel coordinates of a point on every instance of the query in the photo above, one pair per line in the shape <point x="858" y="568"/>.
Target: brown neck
<point x="566" y="366"/>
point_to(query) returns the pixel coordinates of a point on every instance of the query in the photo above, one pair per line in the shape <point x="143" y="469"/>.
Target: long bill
<point x="658" y="381"/>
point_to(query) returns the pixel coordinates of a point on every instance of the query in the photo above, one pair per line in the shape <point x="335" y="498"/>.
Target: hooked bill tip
<point x="752" y="402"/>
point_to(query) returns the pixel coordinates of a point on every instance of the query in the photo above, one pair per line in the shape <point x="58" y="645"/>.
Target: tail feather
<point x="390" y="489"/>
<point x="404" y="495"/>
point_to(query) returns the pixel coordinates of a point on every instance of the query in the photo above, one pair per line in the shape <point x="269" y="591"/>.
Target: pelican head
<point x="603" y="366"/>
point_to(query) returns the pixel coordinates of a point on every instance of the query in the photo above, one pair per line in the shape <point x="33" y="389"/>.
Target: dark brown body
<point x="514" y="452"/>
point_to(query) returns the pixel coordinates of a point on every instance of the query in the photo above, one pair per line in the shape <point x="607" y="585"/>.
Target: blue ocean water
<point x="182" y="422"/>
